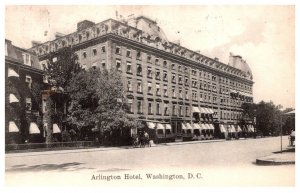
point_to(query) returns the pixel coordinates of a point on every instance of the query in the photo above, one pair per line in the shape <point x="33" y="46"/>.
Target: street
<point x="223" y="163"/>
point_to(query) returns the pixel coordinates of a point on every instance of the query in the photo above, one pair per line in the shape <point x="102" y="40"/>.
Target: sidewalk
<point x="277" y="158"/>
<point x="22" y="154"/>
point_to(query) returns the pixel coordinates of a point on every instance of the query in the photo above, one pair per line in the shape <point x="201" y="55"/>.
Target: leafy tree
<point x="96" y="100"/>
<point x="60" y="68"/>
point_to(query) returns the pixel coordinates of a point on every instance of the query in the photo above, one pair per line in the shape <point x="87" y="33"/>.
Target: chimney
<point x="198" y="51"/>
<point x="216" y="59"/>
<point x="58" y="35"/>
<point x="84" y="25"/>
<point x="35" y="43"/>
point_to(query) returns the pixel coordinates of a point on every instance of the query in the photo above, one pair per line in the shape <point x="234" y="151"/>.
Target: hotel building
<point x="165" y="82"/>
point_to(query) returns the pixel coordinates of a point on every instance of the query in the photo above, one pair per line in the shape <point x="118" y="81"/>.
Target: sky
<point x="263" y="35"/>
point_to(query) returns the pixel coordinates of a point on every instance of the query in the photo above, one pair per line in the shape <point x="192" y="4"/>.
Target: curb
<point x="37" y="153"/>
<point x="273" y="162"/>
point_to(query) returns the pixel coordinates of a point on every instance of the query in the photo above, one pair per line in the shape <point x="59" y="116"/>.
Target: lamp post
<point x="280" y="133"/>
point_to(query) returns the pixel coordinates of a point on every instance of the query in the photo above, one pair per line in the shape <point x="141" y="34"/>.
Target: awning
<point x="196" y="126"/>
<point x="12" y="73"/>
<point x="33" y="128"/>
<point x="251" y="128"/>
<point x="13" y="98"/>
<point x="239" y="129"/>
<point x="196" y="110"/>
<point x="150" y="125"/>
<point x="183" y="126"/>
<point x="188" y="126"/>
<point x="56" y="128"/>
<point x="160" y="126"/>
<point x="205" y="126"/>
<point x="232" y="129"/>
<point x="211" y="126"/>
<point x="210" y="111"/>
<point x="168" y="126"/>
<point x="222" y="129"/>
<point x="203" y="110"/>
<point x="12" y="127"/>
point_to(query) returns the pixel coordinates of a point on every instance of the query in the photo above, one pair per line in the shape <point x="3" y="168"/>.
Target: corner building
<point x="167" y="85"/>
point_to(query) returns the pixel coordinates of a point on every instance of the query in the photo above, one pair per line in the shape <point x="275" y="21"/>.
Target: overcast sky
<point x="263" y="35"/>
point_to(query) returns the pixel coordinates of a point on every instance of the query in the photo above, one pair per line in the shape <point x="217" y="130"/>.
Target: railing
<point x="51" y="146"/>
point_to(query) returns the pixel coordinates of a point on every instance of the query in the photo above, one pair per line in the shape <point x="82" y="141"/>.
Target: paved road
<point x="226" y="163"/>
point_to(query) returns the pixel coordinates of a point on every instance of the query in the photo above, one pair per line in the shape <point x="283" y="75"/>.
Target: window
<point x="128" y="67"/>
<point x="103" y="64"/>
<point x="129" y="103"/>
<point x="139" y="107"/>
<point x="118" y="65"/>
<point x="28" y="80"/>
<point x="165" y="64"/>
<point x="128" y="53"/>
<point x="180" y="93"/>
<point x="194" y="72"/>
<point x="94" y="52"/>
<point x="149" y="58"/>
<point x="139" y="69"/>
<point x="173" y="92"/>
<point x="186" y="82"/>
<point x="149" y="72"/>
<point x="173" y="78"/>
<point x="28" y="104"/>
<point x="149" y="88"/>
<point x="129" y="85"/>
<point x="165" y="90"/>
<point x="166" y="109"/>
<point x="186" y="70"/>
<point x="139" y="86"/>
<point x="187" y="112"/>
<point x="173" y="110"/>
<point x="118" y="50"/>
<point x="157" y="89"/>
<point x="138" y="55"/>
<point x="84" y="55"/>
<point x="179" y="79"/>
<point x="157" y="61"/>
<point x="157" y="74"/>
<point x="179" y="68"/>
<point x="26" y="59"/>
<point x="173" y="66"/>
<point x="180" y="111"/>
<point x="187" y="94"/>
<point x="165" y="76"/>
<point x="149" y="107"/>
<point x="158" y="108"/>
<point x="103" y="49"/>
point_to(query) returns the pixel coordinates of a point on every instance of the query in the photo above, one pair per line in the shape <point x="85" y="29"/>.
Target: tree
<point x="96" y="100"/>
<point x="60" y="68"/>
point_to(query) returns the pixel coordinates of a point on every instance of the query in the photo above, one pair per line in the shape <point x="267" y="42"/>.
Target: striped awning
<point x="188" y="126"/>
<point x="211" y="126"/>
<point x="12" y="73"/>
<point x="232" y="129"/>
<point x="205" y="126"/>
<point x="210" y="111"/>
<point x="196" y="126"/>
<point x="222" y="129"/>
<point x="13" y="98"/>
<point x="159" y="126"/>
<point x="150" y="125"/>
<point x="196" y="110"/>
<point x="183" y="126"/>
<point x="56" y="129"/>
<point x="33" y="128"/>
<point x="12" y="127"/>
<point x="239" y="129"/>
<point x="168" y="126"/>
<point x="203" y="110"/>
